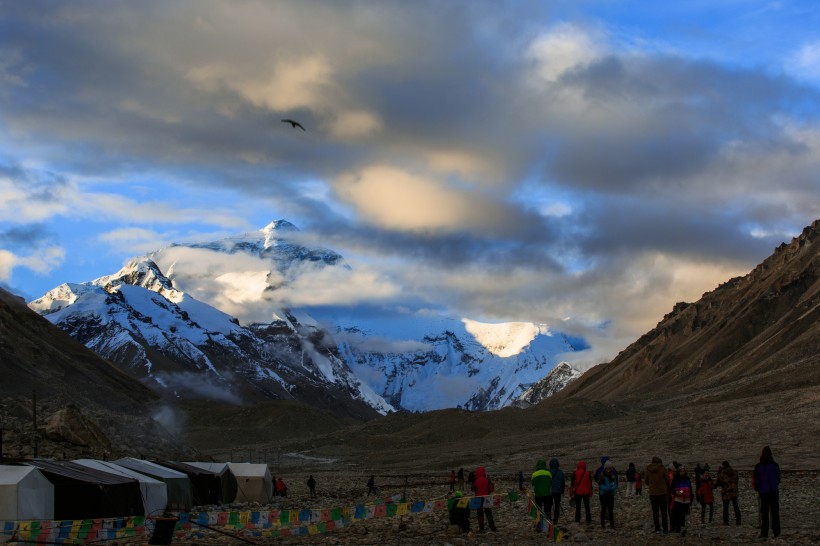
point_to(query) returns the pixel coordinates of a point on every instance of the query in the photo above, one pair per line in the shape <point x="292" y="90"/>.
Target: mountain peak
<point x="279" y="225"/>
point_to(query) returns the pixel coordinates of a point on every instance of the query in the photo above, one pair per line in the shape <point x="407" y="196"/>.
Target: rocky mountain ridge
<point x="146" y="319"/>
<point x="752" y="333"/>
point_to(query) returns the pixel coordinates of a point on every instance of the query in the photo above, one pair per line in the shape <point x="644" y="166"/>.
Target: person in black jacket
<point x="559" y="483"/>
<point x="311" y="483"/>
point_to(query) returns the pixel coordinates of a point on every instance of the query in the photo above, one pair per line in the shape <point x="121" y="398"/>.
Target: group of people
<point x="671" y="492"/>
<point x="279" y="487"/>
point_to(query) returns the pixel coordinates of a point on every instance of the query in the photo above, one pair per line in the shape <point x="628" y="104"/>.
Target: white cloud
<point x="42" y="261"/>
<point x="135" y="240"/>
<point x="804" y="64"/>
<point x="395" y="199"/>
<point x="562" y="48"/>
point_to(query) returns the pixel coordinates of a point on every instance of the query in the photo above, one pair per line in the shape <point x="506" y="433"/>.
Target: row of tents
<point x="41" y="489"/>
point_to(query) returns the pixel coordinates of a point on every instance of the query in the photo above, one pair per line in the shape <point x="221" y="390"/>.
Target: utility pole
<point x="34" y="423"/>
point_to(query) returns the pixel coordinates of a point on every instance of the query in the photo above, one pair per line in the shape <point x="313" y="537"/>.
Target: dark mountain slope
<point x="36" y="356"/>
<point x="756" y="333"/>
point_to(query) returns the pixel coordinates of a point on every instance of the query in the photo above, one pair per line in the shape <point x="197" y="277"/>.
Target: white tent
<point x="25" y="494"/>
<point x="180" y="493"/>
<point x="154" y="492"/>
<point x="253" y="482"/>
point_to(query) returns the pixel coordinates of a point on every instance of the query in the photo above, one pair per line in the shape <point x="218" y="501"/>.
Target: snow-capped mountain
<point x="560" y="376"/>
<point x="227" y="319"/>
<point x="187" y="348"/>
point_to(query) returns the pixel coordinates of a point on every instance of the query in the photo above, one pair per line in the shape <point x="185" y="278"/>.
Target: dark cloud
<point x="664" y="121"/>
<point x="28" y="235"/>
<point x="628" y="227"/>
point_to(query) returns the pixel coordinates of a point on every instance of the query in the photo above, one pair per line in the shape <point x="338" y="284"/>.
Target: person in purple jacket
<point x="767" y="484"/>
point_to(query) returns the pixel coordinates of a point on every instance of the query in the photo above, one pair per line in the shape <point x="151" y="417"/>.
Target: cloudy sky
<point x="577" y="163"/>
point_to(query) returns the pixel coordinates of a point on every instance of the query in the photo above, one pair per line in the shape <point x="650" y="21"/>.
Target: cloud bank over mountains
<point x="583" y="167"/>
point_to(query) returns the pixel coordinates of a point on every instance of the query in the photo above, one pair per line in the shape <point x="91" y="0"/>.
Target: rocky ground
<point x="800" y="500"/>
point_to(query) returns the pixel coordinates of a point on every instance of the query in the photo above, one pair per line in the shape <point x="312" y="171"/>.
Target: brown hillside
<point x="752" y="334"/>
<point x="36" y="356"/>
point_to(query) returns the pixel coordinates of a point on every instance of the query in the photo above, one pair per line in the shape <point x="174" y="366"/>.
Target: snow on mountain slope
<point x="445" y="364"/>
<point x="175" y="311"/>
<point x="188" y="348"/>
<point x="505" y="339"/>
<point x="560" y="376"/>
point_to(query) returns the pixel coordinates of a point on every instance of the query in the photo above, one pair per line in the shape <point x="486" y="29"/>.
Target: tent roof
<point x="211" y="467"/>
<point x="10" y="474"/>
<point x="113" y="468"/>
<point x="190" y="469"/>
<point x="249" y="469"/>
<point x="78" y="472"/>
<point x="152" y="469"/>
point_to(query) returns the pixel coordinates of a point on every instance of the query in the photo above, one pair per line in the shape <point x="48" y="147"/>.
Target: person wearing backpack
<point x="541" y="481"/>
<point x="482" y="486"/>
<point x="580" y="490"/>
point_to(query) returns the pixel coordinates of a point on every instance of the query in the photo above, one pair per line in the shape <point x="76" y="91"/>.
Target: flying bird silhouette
<point x="293" y="124"/>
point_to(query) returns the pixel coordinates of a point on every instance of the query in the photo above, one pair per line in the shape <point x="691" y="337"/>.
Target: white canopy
<point x="253" y="482"/>
<point x="154" y="492"/>
<point x="25" y="494"/>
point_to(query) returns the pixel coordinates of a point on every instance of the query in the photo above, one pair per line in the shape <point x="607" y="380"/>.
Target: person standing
<point x="600" y="470"/>
<point x="541" y="481"/>
<point x="607" y="486"/>
<point x="452" y="481"/>
<point x="461" y="478"/>
<point x="371" y="485"/>
<point x="580" y="490"/>
<point x="630" y="480"/>
<point x="459" y="509"/>
<point x="681" y="491"/>
<point x="280" y="487"/>
<point x="767" y="485"/>
<point x="521" y="480"/>
<point x="482" y="486"/>
<point x="311" y="483"/>
<point x="727" y="481"/>
<point x="638" y="483"/>
<point x="706" y="494"/>
<point x="657" y="482"/>
<point x="559" y="484"/>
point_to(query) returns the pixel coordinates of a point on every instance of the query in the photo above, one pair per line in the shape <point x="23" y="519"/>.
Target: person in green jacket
<point x="542" y="491"/>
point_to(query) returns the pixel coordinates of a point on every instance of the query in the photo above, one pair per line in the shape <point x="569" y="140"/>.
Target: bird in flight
<point x="293" y="124"/>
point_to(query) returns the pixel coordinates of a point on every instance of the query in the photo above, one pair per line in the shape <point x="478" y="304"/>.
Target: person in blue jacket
<point x="559" y="483"/>
<point x="767" y="485"/>
<point x="607" y="486"/>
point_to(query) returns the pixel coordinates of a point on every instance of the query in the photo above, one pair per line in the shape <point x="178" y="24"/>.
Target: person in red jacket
<point x="707" y="495"/>
<point x="482" y="486"/>
<point x="580" y="490"/>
